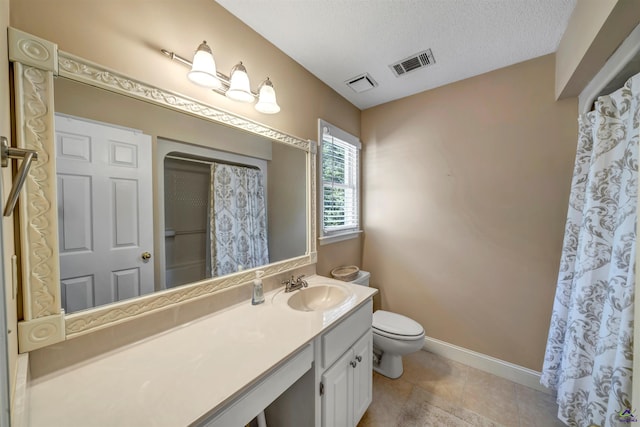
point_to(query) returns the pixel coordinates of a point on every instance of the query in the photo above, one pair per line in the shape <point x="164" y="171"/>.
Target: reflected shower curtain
<point x="589" y="352"/>
<point x="237" y="219"/>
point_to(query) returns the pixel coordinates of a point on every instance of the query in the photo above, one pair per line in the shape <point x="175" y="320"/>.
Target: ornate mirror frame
<point x="35" y="64"/>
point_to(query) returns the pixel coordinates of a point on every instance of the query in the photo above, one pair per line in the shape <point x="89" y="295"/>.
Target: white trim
<point x="334" y="238"/>
<point x="510" y="371"/>
<point x="620" y="66"/>
<point x="336" y="132"/>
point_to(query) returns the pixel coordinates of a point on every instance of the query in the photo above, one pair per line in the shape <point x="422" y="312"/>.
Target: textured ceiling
<point x="339" y="39"/>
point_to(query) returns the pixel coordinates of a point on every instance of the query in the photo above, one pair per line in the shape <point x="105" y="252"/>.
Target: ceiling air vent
<point x="361" y="83"/>
<point x="414" y="62"/>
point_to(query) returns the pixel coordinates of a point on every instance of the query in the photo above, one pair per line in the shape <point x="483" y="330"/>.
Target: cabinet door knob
<point x="353" y="363"/>
<point x="359" y="358"/>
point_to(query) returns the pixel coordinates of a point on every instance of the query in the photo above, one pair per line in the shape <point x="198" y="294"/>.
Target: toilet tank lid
<point x="362" y="278"/>
<point x="395" y="323"/>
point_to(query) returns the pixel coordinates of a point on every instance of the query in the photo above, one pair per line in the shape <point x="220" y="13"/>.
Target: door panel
<point x="123" y="155"/>
<point x="124" y="194"/>
<point x="77" y="292"/>
<point x="337" y="401"/>
<point x="75" y="222"/>
<point x="105" y="210"/>
<point x="127" y="283"/>
<point x="362" y="376"/>
<point x="73" y="147"/>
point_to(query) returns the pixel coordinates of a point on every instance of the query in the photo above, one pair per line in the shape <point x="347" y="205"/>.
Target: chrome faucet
<point x="293" y="284"/>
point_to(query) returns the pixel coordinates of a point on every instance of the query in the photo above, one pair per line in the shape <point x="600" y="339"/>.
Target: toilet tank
<point x="362" y="279"/>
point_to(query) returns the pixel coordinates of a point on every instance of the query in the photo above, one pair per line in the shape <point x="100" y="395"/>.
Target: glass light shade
<point x="239" y="87"/>
<point x="203" y="69"/>
<point x="267" y="98"/>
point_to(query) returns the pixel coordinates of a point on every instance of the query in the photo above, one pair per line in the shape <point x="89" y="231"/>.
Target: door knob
<point x="146" y="256"/>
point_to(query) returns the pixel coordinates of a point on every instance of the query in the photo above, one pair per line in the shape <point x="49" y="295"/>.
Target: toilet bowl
<point x="394" y="336"/>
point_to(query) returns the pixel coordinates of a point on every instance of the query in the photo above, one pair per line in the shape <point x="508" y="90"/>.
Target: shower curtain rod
<point x="210" y="162"/>
<point x="624" y="63"/>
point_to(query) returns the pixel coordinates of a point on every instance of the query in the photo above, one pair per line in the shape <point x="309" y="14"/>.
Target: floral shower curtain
<point x="237" y="219"/>
<point x="589" y="352"/>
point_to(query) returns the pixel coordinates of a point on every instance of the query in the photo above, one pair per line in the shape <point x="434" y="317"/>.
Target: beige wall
<point x="347" y="252"/>
<point x="465" y="196"/>
<point x="595" y="30"/>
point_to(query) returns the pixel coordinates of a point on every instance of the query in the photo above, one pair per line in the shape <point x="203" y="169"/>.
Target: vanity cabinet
<point x="346" y="382"/>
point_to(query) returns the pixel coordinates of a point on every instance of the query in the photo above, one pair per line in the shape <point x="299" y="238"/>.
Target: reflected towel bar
<point x="27" y="157"/>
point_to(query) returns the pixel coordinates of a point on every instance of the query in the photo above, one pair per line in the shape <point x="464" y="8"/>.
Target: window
<point x="339" y="179"/>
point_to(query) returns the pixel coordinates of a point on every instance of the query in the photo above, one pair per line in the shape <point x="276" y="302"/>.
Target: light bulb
<point x="203" y="69"/>
<point x="267" y="98"/>
<point x="239" y="87"/>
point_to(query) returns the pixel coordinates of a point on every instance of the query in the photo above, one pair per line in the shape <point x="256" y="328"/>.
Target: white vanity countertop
<point x="174" y="378"/>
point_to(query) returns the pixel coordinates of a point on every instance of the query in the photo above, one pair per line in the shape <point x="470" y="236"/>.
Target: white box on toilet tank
<point x="362" y="279"/>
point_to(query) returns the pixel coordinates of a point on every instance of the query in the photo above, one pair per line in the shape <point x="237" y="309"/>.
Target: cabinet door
<point x="337" y="400"/>
<point x="362" y="376"/>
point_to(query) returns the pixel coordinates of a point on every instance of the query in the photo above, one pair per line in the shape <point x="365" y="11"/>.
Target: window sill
<point x="334" y="238"/>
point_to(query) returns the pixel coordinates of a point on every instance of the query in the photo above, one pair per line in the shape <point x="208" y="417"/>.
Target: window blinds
<point x="339" y="176"/>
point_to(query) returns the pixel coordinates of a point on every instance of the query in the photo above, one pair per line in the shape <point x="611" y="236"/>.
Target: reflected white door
<point x="105" y="212"/>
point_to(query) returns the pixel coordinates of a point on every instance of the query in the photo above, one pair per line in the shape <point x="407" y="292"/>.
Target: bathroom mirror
<point x="41" y="73"/>
<point x="187" y="242"/>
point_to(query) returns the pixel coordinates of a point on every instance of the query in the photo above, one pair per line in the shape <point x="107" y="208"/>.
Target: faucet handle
<point x="302" y="282"/>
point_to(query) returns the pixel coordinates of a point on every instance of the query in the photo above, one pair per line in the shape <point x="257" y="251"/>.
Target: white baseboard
<point x="510" y="371"/>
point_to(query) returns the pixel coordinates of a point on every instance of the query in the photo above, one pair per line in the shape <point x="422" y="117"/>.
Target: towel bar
<point x="27" y="157"/>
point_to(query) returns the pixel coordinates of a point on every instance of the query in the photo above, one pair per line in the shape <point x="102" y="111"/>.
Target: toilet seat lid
<point x="387" y="323"/>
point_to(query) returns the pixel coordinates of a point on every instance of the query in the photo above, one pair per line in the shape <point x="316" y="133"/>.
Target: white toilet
<point x="394" y="335"/>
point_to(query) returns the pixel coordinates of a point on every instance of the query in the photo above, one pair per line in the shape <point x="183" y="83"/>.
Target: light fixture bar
<point x="235" y="87"/>
<point x="224" y="79"/>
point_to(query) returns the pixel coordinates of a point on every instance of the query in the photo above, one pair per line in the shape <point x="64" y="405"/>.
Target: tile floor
<point x="434" y="391"/>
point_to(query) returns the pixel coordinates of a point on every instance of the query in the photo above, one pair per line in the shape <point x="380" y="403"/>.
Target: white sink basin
<point x="317" y="298"/>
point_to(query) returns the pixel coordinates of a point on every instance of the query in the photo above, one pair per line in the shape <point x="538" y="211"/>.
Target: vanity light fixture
<point x="203" y="73"/>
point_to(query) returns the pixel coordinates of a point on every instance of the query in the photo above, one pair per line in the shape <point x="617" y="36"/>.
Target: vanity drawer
<point x="342" y="336"/>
